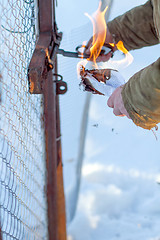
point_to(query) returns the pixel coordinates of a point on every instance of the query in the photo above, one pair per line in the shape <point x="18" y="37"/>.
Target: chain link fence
<point x="23" y="208"/>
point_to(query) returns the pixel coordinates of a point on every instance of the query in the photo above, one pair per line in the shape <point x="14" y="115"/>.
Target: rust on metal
<point x="61" y="214"/>
<point x="61" y="86"/>
<point x="38" y="64"/>
<point x="46" y="15"/>
<point x="60" y="189"/>
<point x="46" y="47"/>
<point x="42" y="60"/>
<point x="42" y="67"/>
<point x="51" y="153"/>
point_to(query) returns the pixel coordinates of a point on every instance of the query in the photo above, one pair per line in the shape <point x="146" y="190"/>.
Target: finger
<point x="124" y="111"/>
<point x="126" y="114"/>
<point x="117" y="112"/>
<point x="110" y="102"/>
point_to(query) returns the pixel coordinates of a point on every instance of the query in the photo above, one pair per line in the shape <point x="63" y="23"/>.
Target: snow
<point x="120" y="191"/>
<point x="119" y="197"/>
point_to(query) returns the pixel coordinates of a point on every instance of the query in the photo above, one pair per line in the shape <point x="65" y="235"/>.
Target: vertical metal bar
<point x="59" y="152"/>
<point x="45" y="15"/>
<point x="49" y="92"/>
<point x="55" y="194"/>
<point x="60" y="189"/>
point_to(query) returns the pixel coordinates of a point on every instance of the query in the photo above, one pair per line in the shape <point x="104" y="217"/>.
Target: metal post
<point x="51" y="153"/>
<point x="60" y="190"/>
<point x="46" y="15"/>
<point x="41" y="81"/>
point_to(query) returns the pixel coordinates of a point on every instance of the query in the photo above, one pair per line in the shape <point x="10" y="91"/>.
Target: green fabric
<point x="141" y="96"/>
<point x="135" y="28"/>
<point x="138" y="28"/>
<point x="156" y="16"/>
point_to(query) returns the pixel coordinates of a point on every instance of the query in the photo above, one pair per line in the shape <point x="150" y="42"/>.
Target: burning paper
<point x="102" y="78"/>
<point x="100" y="81"/>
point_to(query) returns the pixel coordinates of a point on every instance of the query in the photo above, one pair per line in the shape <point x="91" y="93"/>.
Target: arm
<point x="135" y="28"/>
<point x="141" y="96"/>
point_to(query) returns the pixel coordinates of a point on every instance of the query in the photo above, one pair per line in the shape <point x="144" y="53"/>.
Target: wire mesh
<point x="71" y="107"/>
<point x="74" y="107"/>
<point x="23" y="208"/>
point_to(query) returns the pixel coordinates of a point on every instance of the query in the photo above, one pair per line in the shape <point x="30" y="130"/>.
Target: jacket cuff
<point x="137" y="117"/>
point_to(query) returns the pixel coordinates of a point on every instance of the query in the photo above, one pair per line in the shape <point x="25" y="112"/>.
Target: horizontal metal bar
<point x="105" y="50"/>
<point x="72" y="54"/>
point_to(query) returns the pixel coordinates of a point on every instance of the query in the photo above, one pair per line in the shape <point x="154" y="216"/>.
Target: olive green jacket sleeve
<point x="141" y="94"/>
<point x="135" y="28"/>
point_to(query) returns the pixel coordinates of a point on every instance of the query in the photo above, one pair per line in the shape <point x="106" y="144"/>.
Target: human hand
<point x="115" y="101"/>
<point x="102" y="57"/>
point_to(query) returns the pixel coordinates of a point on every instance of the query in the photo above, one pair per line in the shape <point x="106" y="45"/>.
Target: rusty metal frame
<point x="51" y="154"/>
<point x="45" y="52"/>
<point x="62" y="235"/>
<point x="42" y="67"/>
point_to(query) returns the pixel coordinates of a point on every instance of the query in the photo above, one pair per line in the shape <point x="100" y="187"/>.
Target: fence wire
<point x="23" y="209"/>
<point x="72" y="106"/>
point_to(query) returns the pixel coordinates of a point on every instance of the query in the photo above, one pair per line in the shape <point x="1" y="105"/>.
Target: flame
<point x="121" y="47"/>
<point x="82" y="48"/>
<point x="99" y="36"/>
<point x="99" y="32"/>
<point x="112" y="44"/>
<point x="128" y="57"/>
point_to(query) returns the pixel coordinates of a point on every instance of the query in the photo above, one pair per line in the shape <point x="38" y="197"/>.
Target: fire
<point x="112" y="44"/>
<point x="82" y="48"/>
<point x="99" y="32"/>
<point x="128" y="57"/>
<point x="99" y="36"/>
<point x="121" y="47"/>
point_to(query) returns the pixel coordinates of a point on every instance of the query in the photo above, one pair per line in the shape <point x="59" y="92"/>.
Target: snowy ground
<point x="119" y="197"/>
<point x="120" y="191"/>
